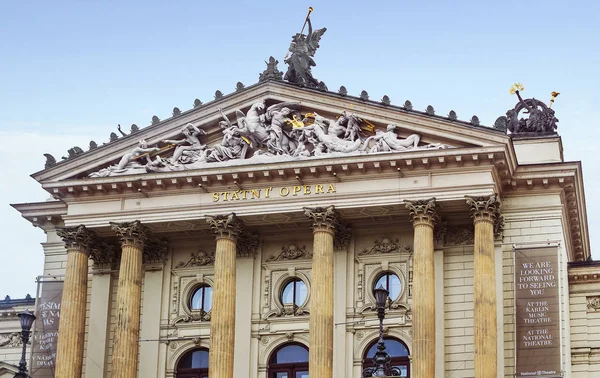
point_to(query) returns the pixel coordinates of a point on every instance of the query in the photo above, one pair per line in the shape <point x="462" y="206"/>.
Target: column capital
<point x="131" y="232"/>
<point x="423" y="211"/>
<point x="225" y="226"/>
<point x="484" y="208"/>
<point x="155" y="251"/>
<point x="323" y="218"/>
<point x="247" y="244"/>
<point x="78" y="237"/>
<point x="103" y="254"/>
<point x="487" y="209"/>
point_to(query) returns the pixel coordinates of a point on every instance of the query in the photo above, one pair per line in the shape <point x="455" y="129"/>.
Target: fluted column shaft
<point x="227" y="229"/>
<point x="321" y="305"/>
<point x="424" y="216"/>
<point x="485" y="212"/>
<point x="129" y="296"/>
<point x="69" y="355"/>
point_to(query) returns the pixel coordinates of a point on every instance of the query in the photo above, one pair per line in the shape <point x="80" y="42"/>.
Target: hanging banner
<point x="45" y="334"/>
<point x="537" y="310"/>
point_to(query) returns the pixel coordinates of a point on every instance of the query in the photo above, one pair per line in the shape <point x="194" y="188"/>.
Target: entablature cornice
<point x="588" y="273"/>
<point x="566" y="179"/>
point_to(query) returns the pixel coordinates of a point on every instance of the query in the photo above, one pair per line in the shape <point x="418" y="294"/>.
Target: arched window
<point x="289" y="361"/>
<point x="397" y="351"/>
<point x="391" y="282"/>
<point x="201" y="298"/>
<point x="193" y="364"/>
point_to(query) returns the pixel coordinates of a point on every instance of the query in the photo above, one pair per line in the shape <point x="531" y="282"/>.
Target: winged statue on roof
<point x="300" y="57"/>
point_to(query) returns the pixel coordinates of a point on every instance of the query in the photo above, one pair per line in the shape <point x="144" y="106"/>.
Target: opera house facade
<point x="245" y="238"/>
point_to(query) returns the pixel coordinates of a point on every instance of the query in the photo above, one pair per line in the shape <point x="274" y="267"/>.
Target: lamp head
<point x="381" y="296"/>
<point x="26" y="318"/>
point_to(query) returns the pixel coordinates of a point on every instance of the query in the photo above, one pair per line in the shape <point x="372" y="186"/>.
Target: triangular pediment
<point x="270" y="123"/>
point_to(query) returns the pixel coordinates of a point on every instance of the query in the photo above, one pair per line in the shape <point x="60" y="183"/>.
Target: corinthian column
<point x="129" y="295"/>
<point x="227" y="229"/>
<point x="324" y="222"/>
<point x="485" y="211"/>
<point x="69" y="355"/>
<point x="423" y="216"/>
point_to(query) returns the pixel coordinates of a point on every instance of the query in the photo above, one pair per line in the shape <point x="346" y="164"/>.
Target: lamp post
<point x="381" y="359"/>
<point x="26" y="318"/>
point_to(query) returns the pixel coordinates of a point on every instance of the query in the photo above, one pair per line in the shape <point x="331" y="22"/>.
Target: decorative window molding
<point x="199" y="258"/>
<point x="291" y="252"/>
<point x="369" y="269"/>
<point x="183" y="289"/>
<point x="275" y="281"/>
<point x="387" y="245"/>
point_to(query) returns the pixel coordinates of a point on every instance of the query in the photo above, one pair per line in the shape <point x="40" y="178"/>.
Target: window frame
<point x="202" y="286"/>
<point x="387" y="274"/>
<point x="291" y="368"/>
<point x="191" y="372"/>
<point x="294" y="281"/>
<point x="366" y="361"/>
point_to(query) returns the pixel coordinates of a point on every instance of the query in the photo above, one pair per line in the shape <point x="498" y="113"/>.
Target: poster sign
<point x="45" y="334"/>
<point x="537" y="309"/>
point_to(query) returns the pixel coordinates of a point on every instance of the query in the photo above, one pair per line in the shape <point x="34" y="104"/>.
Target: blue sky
<point x="70" y="71"/>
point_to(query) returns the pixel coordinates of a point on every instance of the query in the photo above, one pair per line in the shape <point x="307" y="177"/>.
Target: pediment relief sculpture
<point x="279" y="132"/>
<point x="387" y="245"/>
<point x="291" y="252"/>
<point x="199" y="258"/>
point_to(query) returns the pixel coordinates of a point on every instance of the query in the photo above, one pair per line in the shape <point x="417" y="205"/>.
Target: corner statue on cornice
<point x="300" y="57"/>
<point x="540" y="120"/>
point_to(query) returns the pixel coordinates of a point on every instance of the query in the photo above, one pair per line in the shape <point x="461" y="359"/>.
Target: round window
<point x="294" y="292"/>
<point x="201" y="298"/>
<point x="391" y="282"/>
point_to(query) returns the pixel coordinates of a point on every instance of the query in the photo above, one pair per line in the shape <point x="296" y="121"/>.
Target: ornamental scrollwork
<point x="291" y="252"/>
<point x="103" y="254"/>
<point x="247" y="244"/>
<point x="387" y="245"/>
<point x="11" y="340"/>
<point x="155" y="251"/>
<point x="342" y="237"/>
<point x="199" y="258"/>
<point x="225" y="226"/>
<point x="593" y="303"/>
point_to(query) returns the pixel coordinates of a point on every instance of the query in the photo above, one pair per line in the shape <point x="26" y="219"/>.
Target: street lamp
<point x="381" y="359"/>
<point x="26" y="318"/>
